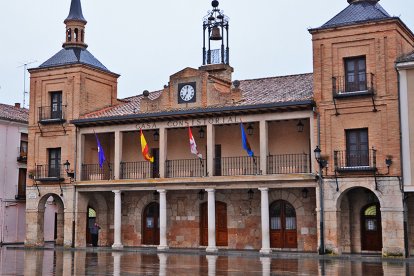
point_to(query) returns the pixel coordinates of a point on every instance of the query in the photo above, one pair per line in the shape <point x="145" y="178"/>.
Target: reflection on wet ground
<point x="17" y="261"/>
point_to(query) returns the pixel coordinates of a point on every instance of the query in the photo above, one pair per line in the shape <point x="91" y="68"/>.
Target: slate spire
<point x="75" y="12"/>
<point x="75" y="26"/>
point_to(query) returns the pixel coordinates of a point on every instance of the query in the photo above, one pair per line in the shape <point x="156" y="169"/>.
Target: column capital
<point x="264" y="189"/>
<point x="210" y="190"/>
<point x="116" y="191"/>
<point x="162" y="191"/>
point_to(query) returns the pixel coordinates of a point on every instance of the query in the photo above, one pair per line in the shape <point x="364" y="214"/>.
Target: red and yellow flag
<point x="145" y="150"/>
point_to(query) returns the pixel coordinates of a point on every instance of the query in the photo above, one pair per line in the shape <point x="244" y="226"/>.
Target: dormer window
<point x="355" y="74"/>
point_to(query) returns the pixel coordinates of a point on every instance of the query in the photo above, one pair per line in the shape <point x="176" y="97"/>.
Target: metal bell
<point x="215" y="33"/>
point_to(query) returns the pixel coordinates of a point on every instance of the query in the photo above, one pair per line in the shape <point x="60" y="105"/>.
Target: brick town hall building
<point x="332" y="164"/>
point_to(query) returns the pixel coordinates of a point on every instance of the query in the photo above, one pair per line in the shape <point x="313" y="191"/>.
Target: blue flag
<point x="245" y="143"/>
<point x="101" y="154"/>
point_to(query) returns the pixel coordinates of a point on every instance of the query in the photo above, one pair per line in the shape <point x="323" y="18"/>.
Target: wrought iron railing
<point x="355" y="160"/>
<point x="137" y="170"/>
<point x="22" y="154"/>
<point x="55" y="113"/>
<point x="288" y="163"/>
<point x="215" y="56"/>
<point x="186" y="168"/>
<point x="95" y="172"/>
<point x="49" y="172"/>
<point x="343" y="86"/>
<point x="241" y="165"/>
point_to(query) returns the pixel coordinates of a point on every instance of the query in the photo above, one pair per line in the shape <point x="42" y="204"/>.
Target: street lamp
<point x="156" y="135"/>
<point x="250" y="129"/>
<point x="70" y="174"/>
<point x="300" y="126"/>
<point x="201" y="133"/>
<point x="322" y="162"/>
<point x="201" y="195"/>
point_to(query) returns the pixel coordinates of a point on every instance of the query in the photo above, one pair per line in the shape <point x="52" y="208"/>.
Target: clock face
<point x="186" y="93"/>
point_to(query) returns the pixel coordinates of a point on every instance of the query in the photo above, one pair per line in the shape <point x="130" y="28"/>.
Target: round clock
<point x="187" y="93"/>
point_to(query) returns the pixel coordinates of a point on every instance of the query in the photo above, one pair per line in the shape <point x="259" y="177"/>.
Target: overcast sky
<point x="147" y="41"/>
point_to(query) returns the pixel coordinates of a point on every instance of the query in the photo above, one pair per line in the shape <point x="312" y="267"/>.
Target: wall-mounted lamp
<point x="156" y="135"/>
<point x="201" y="133"/>
<point x="155" y="195"/>
<point x="388" y="162"/>
<point x="305" y="192"/>
<point x="250" y="194"/>
<point x="200" y="195"/>
<point x="300" y="126"/>
<point x="250" y="129"/>
<point x="70" y="174"/>
<point x="322" y="162"/>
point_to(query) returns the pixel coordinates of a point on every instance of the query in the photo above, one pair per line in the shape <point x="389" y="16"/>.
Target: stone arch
<point x="51" y="223"/>
<point x="337" y="198"/>
<point x="293" y="197"/>
<point x="142" y="203"/>
<point x="224" y="197"/>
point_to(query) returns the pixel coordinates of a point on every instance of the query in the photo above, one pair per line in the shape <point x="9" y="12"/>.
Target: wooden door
<point x="283" y="233"/>
<point x="151" y="224"/>
<point x="357" y="148"/>
<point x="90" y="221"/>
<point x="54" y="163"/>
<point x="156" y="164"/>
<point x="221" y="224"/>
<point x="371" y="230"/>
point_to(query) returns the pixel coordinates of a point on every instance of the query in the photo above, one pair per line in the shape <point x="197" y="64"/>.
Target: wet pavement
<point x="104" y="261"/>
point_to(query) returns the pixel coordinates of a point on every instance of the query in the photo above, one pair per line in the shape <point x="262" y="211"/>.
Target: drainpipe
<point x="401" y="178"/>
<point x="321" y="194"/>
<point x="74" y="188"/>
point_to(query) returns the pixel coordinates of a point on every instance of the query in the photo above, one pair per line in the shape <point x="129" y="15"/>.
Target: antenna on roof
<point x="24" y="65"/>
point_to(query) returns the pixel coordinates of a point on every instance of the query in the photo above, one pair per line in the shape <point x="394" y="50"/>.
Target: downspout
<point x="321" y="193"/>
<point x="401" y="178"/>
<point x="75" y="201"/>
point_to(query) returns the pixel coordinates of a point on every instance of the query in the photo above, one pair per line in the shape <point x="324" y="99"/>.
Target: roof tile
<point x="12" y="113"/>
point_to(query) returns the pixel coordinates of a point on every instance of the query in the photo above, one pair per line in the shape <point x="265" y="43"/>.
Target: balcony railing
<point x="288" y="163"/>
<point x="138" y="170"/>
<point x="242" y="165"/>
<point x="360" y="85"/>
<point x="49" y="172"/>
<point x="52" y="114"/>
<point x="355" y="160"/>
<point x="186" y="168"/>
<point x="22" y="154"/>
<point x="95" y="172"/>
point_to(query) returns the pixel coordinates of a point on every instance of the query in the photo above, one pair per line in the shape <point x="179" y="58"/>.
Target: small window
<point x="355" y="74"/>
<point x="23" y="146"/>
<point x="69" y="34"/>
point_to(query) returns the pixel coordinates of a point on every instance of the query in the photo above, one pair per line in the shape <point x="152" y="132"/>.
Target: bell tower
<point x="216" y="50"/>
<point x="75" y="26"/>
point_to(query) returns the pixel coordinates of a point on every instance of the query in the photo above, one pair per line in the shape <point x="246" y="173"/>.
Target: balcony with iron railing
<point x="361" y="84"/>
<point x="52" y="114"/>
<point x="22" y="154"/>
<point x="355" y="160"/>
<point x="95" y="172"/>
<point x="288" y="163"/>
<point x="138" y="170"/>
<point x="48" y="173"/>
<point x="240" y="165"/>
<point x="186" y="168"/>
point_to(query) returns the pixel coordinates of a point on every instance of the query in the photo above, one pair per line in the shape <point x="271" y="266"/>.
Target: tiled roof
<point x="73" y="55"/>
<point x="12" y="113"/>
<point x="406" y="58"/>
<point x="283" y="89"/>
<point x="358" y="12"/>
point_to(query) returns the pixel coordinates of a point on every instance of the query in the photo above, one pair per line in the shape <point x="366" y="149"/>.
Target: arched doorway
<point x="371" y="230"/>
<point x="151" y="224"/>
<point x="283" y="232"/>
<point x="90" y="221"/>
<point x="221" y="224"/>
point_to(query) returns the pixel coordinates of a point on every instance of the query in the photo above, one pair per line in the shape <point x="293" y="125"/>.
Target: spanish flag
<point x="145" y="150"/>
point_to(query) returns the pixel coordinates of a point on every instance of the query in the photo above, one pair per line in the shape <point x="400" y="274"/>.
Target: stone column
<point x="163" y="220"/>
<point x="263" y="146"/>
<point x="117" y="220"/>
<point x="210" y="149"/>
<point x="265" y="221"/>
<point x="212" y="264"/>
<point x="163" y="150"/>
<point x="211" y="204"/>
<point x="118" y="154"/>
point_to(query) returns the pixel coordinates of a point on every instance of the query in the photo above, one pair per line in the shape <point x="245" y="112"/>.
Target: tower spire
<point x="75" y="26"/>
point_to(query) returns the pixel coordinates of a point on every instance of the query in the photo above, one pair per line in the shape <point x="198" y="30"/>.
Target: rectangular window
<point x="357" y="149"/>
<point x="54" y="162"/>
<point x="355" y="74"/>
<point x="56" y="105"/>
<point x="21" y="188"/>
<point x="23" y="146"/>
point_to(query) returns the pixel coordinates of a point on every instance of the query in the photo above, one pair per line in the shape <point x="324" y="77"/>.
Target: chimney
<point x="17" y="105"/>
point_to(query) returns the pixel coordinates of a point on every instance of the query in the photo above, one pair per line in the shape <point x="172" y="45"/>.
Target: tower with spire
<point x="75" y="26"/>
